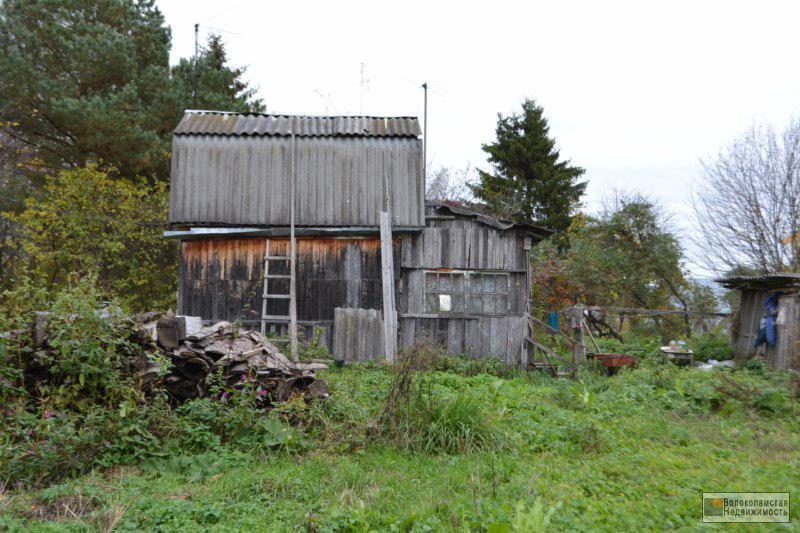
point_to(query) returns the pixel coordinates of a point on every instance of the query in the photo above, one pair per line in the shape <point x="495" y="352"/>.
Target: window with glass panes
<point x="466" y="292"/>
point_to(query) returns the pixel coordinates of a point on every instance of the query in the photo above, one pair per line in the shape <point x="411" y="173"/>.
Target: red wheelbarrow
<point x="614" y="361"/>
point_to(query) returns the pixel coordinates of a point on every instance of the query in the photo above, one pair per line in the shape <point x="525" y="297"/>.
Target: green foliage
<point x="208" y="424"/>
<point x="89" y="224"/>
<point x="529" y="182"/>
<point x="40" y="448"/>
<point x="85" y="409"/>
<point x="192" y="467"/>
<point x="209" y="83"/>
<point x="87" y="79"/>
<point x="731" y="392"/>
<point x="631" y="245"/>
<point x="89" y="350"/>
<point x="628" y="256"/>
<point x="711" y="345"/>
<point x="575" y="455"/>
<point x="90" y="81"/>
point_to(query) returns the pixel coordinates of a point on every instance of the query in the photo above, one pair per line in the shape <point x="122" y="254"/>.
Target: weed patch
<point x="416" y="416"/>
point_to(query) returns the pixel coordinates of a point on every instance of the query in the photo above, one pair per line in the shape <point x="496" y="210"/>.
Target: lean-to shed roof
<point x="781" y="280"/>
<point x="462" y="212"/>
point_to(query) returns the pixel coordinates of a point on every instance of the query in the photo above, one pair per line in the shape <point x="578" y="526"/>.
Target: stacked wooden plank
<point x="232" y="359"/>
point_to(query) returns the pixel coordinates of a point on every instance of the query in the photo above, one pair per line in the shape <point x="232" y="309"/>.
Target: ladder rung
<point x="282" y="296"/>
<point x="278" y="258"/>
<point x="267" y="318"/>
<point x="278" y="276"/>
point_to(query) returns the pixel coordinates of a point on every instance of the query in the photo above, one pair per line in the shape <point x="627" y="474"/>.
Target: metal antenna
<point x="196" y="48"/>
<point x="425" y="132"/>
<point x="364" y="87"/>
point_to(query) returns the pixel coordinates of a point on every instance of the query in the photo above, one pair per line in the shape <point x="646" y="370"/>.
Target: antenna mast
<point x="425" y="132"/>
<point x="196" y="48"/>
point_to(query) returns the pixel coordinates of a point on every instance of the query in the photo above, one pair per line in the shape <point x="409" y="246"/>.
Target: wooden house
<point x="754" y="291"/>
<point x="240" y="182"/>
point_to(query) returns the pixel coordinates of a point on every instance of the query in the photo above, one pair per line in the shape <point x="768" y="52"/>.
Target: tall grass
<point x="415" y="417"/>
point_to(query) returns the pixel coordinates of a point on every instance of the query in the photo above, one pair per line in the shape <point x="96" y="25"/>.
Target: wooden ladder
<point x="266" y="295"/>
<point x="291" y="318"/>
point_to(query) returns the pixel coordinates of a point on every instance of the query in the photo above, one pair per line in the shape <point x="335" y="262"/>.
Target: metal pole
<point x="292" y="258"/>
<point x="196" y="50"/>
<point x="425" y="133"/>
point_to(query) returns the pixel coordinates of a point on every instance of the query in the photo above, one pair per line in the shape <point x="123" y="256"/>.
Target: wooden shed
<point x="754" y="291"/>
<point x="458" y="277"/>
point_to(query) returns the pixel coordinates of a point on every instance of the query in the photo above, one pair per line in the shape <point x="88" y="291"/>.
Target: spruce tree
<point x="208" y="82"/>
<point x="528" y="182"/>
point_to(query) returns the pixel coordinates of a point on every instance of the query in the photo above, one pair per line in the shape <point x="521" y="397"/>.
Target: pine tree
<point x="528" y="182"/>
<point x="84" y="80"/>
<point x="89" y="81"/>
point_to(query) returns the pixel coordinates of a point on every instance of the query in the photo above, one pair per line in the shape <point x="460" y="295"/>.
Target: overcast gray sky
<point x="636" y="92"/>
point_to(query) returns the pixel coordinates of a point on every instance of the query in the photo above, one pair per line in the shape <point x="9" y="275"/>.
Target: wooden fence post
<point x="577" y="349"/>
<point x="387" y="281"/>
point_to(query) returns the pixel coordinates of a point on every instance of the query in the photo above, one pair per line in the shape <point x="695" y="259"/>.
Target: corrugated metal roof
<point x="262" y="124"/>
<point x="765" y="281"/>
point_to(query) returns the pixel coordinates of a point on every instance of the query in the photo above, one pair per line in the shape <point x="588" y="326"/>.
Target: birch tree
<point x="747" y="205"/>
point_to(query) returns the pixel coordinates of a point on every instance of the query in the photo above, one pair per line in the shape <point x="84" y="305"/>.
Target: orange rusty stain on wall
<point x="250" y="252"/>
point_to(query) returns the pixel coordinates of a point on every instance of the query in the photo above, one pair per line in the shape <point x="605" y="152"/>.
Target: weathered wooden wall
<point x="223" y="278"/>
<point x="340" y="181"/>
<point x="411" y="290"/>
<point x="475" y="337"/>
<point x="463" y="245"/>
<point x="786" y="352"/>
<point x="358" y="335"/>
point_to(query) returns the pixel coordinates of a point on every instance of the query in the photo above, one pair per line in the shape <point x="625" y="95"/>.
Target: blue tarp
<point x="553" y="317"/>
<point x="767" y="332"/>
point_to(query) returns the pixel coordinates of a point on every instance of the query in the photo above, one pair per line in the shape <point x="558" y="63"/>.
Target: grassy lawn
<point x="632" y="452"/>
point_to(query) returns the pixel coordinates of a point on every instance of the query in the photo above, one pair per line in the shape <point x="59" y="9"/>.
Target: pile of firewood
<point x="190" y="361"/>
<point x="223" y="354"/>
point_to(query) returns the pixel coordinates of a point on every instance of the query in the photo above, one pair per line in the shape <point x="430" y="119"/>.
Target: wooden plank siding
<point x="469" y="245"/>
<point x="463" y="245"/>
<point x="222" y="279"/>
<point x="475" y="337"/>
<point x="358" y="335"/>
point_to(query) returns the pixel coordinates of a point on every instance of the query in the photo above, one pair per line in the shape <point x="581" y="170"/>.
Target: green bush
<point x="75" y="405"/>
<point x="88" y="352"/>
<point x="728" y="391"/>
<point x="712" y="345"/>
<point x="87" y="222"/>
<point x="40" y="448"/>
<point x="209" y="424"/>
